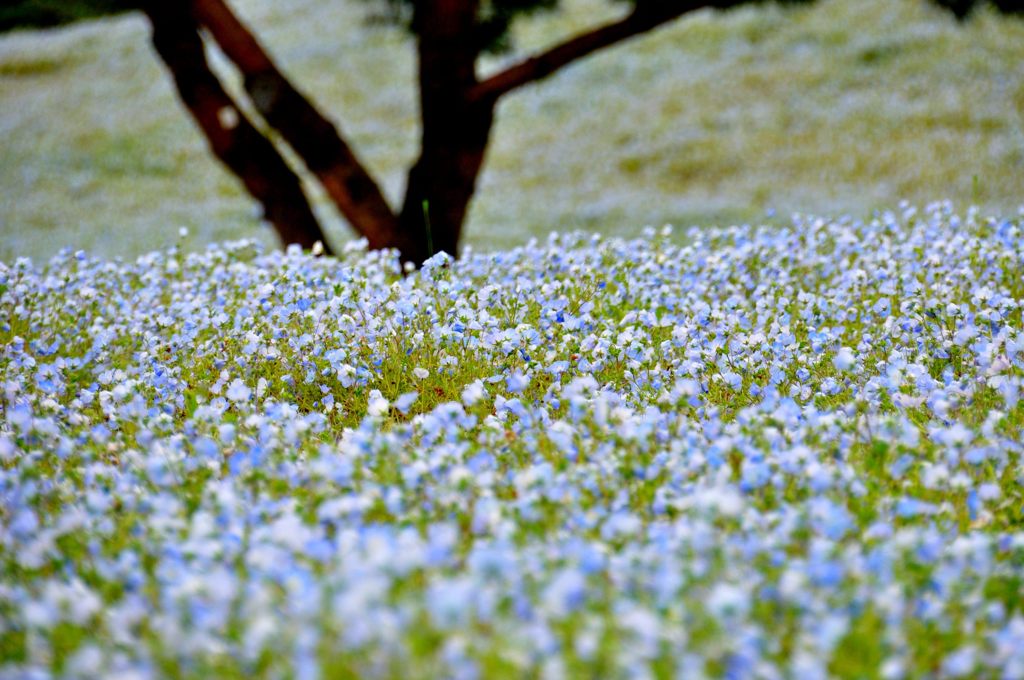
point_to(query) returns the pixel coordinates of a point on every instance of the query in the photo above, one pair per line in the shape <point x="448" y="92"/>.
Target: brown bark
<point x="231" y="136"/>
<point x="457" y="113"/>
<point x="455" y="131"/>
<point x="457" y="110"/>
<point x="313" y="137"/>
<point x="646" y="16"/>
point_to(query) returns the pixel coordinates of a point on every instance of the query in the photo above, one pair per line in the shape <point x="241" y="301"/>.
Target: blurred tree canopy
<point x="496" y="16"/>
<point x="962" y="8"/>
<point x="42" y="13"/>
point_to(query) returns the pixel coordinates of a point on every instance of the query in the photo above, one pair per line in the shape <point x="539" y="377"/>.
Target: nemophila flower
<point x="844" y="359"/>
<point x="557" y="368"/>
<point x="565" y="593"/>
<point x="680" y="445"/>
<point x="377" y="405"/>
<point x="516" y="382"/>
<point x="728" y="603"/>
<point x="405" y="401"/>
<point x="960" y="664"/>
<point x="238" y="391"/>
<point x="733" y="380"/>
<point x="989" y="492"/>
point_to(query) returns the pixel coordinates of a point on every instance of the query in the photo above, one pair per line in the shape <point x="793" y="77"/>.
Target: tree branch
<point x="646" y="16"/>
<point x="231" y="136"/>
<point x="313" y="137"/>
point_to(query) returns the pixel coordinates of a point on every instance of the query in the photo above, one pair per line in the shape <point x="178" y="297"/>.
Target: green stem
<point x="426" y="222"/>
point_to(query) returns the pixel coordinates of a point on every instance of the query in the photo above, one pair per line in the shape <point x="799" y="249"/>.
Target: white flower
<point x="844" y="359"/>
<point x="238" y="391"/>
<point x="473" y="392"/>
<point x="727" y="601"/>
<point x="377" y="404"/>
<point x="421" y="373"/>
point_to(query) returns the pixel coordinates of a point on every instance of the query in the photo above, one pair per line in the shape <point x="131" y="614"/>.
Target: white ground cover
<point x="772" y="452"/>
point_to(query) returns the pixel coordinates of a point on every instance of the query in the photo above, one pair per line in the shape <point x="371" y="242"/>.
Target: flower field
<point x="771" y="452"/>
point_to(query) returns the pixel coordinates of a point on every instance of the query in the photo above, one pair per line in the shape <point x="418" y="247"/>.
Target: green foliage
<point x="962" y="8"/>
<point x="496" y="16"/>
<point x="41" y="13"/>
<point x="493" y="22"/>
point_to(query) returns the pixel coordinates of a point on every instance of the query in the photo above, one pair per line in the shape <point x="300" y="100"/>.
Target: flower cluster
<point x="757" y="452"/>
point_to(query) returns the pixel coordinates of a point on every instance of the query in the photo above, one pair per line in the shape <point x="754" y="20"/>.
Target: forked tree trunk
<point x="314" y="138"/>
<point x="231" y="136"/>
<point x="457" y="110"/>
<point x="457" y="114"/>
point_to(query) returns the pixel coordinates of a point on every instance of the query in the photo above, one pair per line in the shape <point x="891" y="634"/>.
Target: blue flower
<point x="405" y="401"/>
<point x="516" y="382"/>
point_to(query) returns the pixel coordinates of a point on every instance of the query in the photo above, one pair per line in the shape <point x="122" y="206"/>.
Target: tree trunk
<point x="443" y="180"/>
<point x="231" y="136"/>
<point x="457" y="114"/>
<point x="311" y="135"/>
<point x="455" y="129"/>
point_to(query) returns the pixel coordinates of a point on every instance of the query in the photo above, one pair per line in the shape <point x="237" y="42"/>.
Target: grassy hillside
<point x="844" y="106"/>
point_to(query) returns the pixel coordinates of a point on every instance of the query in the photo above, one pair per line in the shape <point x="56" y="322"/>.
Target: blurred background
<point x="842" y="106"/>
